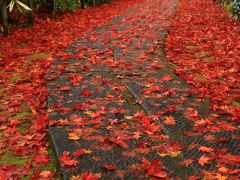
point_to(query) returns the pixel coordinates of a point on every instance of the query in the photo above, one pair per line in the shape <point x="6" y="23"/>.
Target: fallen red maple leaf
<point x="204" y="160"/>
<point x="42" y="159"/>
<point x="86" y="176"/>
<point x="187" y="162"/>
<point x="109" y="166"/>
<point x="66" y="160"/>
<point x="78" y="153"/>
<point x="119" y="142"/>
<point x="86" y="93"/>
<point x="206" y="149"/>
<point x="76" y="79"/>
<point x="154" y="168"/>
<point x="61" y="67"/>
<point x="41" y="123"/>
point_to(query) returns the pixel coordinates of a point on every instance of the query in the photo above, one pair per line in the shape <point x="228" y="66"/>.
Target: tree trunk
<point x="82" y="3"/>
<point x="30" y="13"/>
<point x="5" y="17"/>
<point x="54" y="8"/>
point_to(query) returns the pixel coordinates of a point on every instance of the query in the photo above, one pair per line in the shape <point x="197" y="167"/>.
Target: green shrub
<point x="232" y="6"/>
<point x="236" y="7"/>
<point x="67" y="4"/>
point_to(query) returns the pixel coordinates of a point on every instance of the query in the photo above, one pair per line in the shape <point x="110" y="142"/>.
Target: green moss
<point x="1" y="135"/>
<point x="1" y="89"/>
<point x="36" y="56"/>
<point x="171" y="66"/>
<point x="9" y="158"/>
<point x="51" y="165"/>
<point x="23" y="126"/>
<point x="175" y="136"/>
<point x="22" y="114"/>
<point x="200" y="77"/>
<point x="20" y="46"/>
<point x="128" y="97"/>
<point x="191" y="47"/>
<point x="16" y="76"/>
<point x="235" y="103"/>
<point x="208" y="59"/>
<point x="204" y="53"/>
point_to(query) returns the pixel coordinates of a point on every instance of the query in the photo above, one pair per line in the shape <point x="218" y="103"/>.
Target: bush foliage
<point x="29" y="7"/>
<point x="233" y="6"/>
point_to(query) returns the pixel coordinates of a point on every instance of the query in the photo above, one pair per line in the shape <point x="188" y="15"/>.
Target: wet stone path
<point x="119" y="112"/>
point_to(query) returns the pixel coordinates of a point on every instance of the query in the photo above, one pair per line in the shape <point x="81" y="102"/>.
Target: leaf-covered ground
<point x="25" y="57"/>
<point x="120" y="110"/>
<point x="204" y="46"/>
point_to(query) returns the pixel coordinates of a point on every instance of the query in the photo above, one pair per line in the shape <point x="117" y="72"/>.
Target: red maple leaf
<point x="154" y="168"/>
<point x="86" y="93"/>
<point x="204" y="160"/>
<point x="41" y="122"/>
<point x="76" y="79"/>
<point x="42" y="159"/>
<point x="66" y="160"/>
<point x="78" y="153"/>
<point x="109" y="166"/>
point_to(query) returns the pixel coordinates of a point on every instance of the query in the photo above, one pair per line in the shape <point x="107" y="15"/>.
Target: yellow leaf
<point x="169" y="120"/>
<point x="86" y="151"/>
<point x="220" y="177"/>
<point x="128" y="117"/>
<point x="45" y="174"/>
<point x="73" y="136"/>
<point x="50" y="110"/>
<point x="170" y="153"/>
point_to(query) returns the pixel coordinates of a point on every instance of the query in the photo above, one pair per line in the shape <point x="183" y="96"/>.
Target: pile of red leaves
<point x="25" y="57"/>
<point x="204" y="47"/>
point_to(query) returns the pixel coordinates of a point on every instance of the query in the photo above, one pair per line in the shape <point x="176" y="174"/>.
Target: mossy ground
<point x="25" y="117"/>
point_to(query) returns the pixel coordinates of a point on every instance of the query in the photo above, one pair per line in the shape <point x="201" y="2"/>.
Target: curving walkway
<point x="119" y="112"/>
